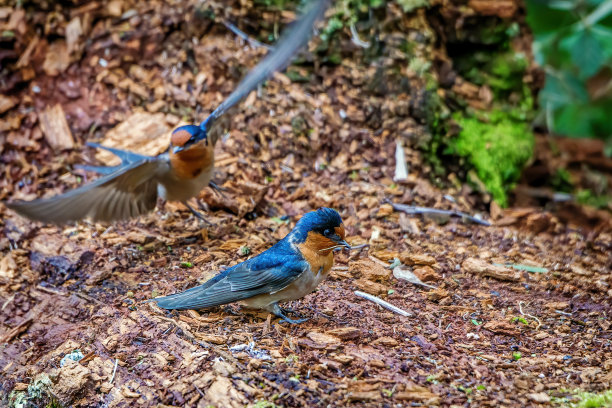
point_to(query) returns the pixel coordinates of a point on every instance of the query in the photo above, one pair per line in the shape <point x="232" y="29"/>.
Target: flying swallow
<point x="179" y="174"/>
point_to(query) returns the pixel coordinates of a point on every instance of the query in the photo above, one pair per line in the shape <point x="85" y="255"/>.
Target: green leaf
<point x="562" y="88"/>
<point x="587" y="54"/>
<point x="604" y="35"/>
<point x="571" y="120"/>
<point x="543" y="19"/>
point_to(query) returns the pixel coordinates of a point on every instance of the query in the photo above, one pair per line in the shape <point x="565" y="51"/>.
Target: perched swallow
<point x="289" y="270"/>
<point x="132" y="188"/>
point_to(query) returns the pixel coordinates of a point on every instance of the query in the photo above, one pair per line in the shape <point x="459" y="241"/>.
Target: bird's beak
<point x="343" y="243"/>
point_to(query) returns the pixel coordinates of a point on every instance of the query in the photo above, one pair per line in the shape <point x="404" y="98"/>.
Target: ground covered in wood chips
<point x="512" y="314"/>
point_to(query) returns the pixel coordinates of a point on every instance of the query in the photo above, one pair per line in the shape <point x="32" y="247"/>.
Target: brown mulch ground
<point x="485" y="334"/>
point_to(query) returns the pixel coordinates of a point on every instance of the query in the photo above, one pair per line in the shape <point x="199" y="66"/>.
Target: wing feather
<point x="128" y="192"/>
<point x="241" y="282"/>
<point x="276" y="60"/>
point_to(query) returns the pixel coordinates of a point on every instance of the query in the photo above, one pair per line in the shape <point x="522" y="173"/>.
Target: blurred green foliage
<point x="573" y="43"/>
<point x="498" y="142"/>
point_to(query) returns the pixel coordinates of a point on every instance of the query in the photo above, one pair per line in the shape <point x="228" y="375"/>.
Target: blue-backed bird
<point x="289" y="270"/>
<point x="132" y="188"/>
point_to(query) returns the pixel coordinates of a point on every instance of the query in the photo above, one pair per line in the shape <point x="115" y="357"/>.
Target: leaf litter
<point x="124" y="71"/>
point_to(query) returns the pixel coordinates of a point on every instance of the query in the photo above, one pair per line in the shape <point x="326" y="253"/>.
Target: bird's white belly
<point x="173" y="188"/>
<point x="303" y="285"/>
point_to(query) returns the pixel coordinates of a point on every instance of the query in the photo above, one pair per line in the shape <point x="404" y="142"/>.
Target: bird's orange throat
<point x="190" y="163"/>
<point x="315" y="251"/>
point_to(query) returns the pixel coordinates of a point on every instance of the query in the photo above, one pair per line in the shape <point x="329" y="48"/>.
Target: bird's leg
<point x="218" y="189"/>
<point x="279" y="312"/>
<point x="196" y="213"/>
<point x="287" y="310"/>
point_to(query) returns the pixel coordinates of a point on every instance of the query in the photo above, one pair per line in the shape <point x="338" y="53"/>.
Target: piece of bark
<point x="499" y="8"/>
<point x="55" y="128"/>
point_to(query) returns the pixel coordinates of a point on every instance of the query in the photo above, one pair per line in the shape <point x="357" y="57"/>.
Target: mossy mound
<point x="497" y="146"/>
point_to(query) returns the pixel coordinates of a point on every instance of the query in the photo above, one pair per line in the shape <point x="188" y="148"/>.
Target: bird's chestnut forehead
<point x="180" y="137"/>
<point x="340" y="231"/>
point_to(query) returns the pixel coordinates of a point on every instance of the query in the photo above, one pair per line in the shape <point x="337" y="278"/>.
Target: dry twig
<point x="413" y="210"/>
<point x="382" y="303"/>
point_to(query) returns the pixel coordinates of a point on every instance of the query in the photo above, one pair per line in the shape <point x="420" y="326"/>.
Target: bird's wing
<point x="125" y="156"/>
<point x="125" y="193"/>
<point x="241" y="282"/>
<point x="290" y="42"/>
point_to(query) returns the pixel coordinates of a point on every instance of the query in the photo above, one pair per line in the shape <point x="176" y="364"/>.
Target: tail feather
<point x="203" y="296"/>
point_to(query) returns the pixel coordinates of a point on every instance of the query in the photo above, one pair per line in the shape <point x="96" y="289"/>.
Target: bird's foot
<point x="280" y="312"/>
<point x="288" y="320"/>
<point x="218" y="189"/>
<point x="287" y="310"/>
<point x="197" y="214"/>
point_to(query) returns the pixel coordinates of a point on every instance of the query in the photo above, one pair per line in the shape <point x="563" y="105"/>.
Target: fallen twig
<point x="382" y="303"/>
<point x="528" y="315"/>
<point x="412" y="210"/>
<point x="401" y="170"/>
<point x="356" y="40"/>
<point x="16" y="331"/>
<point x="114" y="371"/>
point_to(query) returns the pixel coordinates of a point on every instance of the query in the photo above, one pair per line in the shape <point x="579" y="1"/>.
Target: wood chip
<point x="485" y="269"/>
<point x="6" y="103"/>
<point x="345" y="333"/>
<point x="499" y="8"/>
<point x="16" y="331"/>
<point x="55" y="128"/>
<point x="142" y="132"/>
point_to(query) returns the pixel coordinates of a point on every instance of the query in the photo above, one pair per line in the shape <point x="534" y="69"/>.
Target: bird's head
<point x="185" y="137"/>
<point x="190" y="152"/>
<point x="321" y="230"/>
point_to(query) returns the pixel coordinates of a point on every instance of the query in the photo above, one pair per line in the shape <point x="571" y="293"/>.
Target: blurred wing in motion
<point x="287" y="46"/>
<point x="125" y="193"/>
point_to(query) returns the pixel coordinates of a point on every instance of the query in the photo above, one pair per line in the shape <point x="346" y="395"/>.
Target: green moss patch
<point x="497" y="146"/>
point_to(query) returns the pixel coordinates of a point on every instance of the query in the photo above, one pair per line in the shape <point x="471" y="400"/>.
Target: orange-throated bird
<point x="289" y="270"/>
<point x="132" y="188"/>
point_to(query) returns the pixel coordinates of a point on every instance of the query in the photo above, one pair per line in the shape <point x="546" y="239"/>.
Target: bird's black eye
<point x="327" y="232"/>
